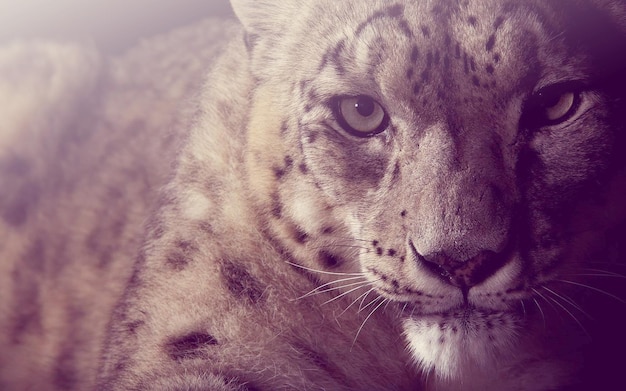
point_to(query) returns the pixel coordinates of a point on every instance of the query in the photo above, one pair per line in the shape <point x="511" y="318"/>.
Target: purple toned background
<point x="112" y="24"/>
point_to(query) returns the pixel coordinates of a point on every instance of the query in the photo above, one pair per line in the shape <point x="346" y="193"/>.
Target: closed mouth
<point x="463" y="312"/>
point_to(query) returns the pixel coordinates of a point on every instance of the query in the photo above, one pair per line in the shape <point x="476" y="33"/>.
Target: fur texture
<point x="330" y="195"/>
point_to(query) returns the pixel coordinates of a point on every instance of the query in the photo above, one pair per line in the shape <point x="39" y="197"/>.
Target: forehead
<point x="440" y="39"/>
<point x="430" y="18"/>
<point x="418" y="13"/>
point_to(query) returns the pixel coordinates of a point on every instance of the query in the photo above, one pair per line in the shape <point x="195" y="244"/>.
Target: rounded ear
<point x="261" y="17"/>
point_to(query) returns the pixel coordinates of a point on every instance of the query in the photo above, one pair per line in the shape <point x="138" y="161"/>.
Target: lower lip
<point x="460" y="312"/>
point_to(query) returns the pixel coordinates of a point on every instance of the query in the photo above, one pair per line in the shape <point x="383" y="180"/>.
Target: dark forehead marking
<point x="490" y="42"/>
<point x="409" y="73"/>
<point x="333" y="57"/>
<point x="394" y="12"/>
<point x="498" y="23"/>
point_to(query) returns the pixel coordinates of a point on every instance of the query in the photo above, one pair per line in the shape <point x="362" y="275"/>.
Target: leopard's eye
<point x="360" y="115"/>
<point x="558" y="107"/>
<point x="554" y="104"/>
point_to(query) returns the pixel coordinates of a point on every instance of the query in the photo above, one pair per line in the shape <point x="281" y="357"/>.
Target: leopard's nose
<point x="464" y="273"/>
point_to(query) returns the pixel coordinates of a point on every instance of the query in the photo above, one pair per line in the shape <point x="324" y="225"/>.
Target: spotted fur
<point x="213" y="211"/>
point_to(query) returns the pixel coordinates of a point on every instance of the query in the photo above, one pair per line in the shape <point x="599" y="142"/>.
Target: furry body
<point x="334" y="195"/>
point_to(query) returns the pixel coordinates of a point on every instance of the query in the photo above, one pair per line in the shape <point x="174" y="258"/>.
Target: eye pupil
<point x="365" y="106"/>
<point x="548" y="100"/>
<point x="359" y="115"/>
<point x="553" y="105"/>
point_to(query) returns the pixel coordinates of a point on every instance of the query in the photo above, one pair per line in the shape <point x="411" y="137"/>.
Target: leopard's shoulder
<point x="87" y="141"/>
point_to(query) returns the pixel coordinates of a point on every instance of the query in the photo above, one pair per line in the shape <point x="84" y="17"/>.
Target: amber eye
<point x="360" y="115"/>
<point x="557" y="107"/>
<point x="554" y="104"/>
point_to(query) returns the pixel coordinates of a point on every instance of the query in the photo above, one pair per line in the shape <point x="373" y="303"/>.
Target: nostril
<point x="441" y="264"/>
<point x="465" y="273"/>
<point x="477" y="269"/>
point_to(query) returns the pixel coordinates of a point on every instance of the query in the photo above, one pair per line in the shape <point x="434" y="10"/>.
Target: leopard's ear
<point x="263" y="17"/>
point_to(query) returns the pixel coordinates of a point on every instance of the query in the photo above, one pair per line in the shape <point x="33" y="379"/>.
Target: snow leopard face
<point x="464" y="156"/>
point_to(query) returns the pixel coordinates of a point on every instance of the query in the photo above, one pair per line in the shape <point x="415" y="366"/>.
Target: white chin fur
<point x="459" y="346"/>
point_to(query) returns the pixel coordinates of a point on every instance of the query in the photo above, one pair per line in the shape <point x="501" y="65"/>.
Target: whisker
<point x="543" y="316"/>
<point x="568" y="301"/>
<point x="324" y="288"/>
<point x="595" y="275"/>
<point x="367" y="318"/>
<point x="594" y="289"/>
<point x="351" y="239"/>
<point x="337" y="281"/>
<point x="607" y="267"/>
<point x="324" y="271"/>
<point x="339" y="245"/>
<point x="356" y="300"/>
<point x="570" y="314"/>
<point x="363" y="284"/>
<point x="606" y="263"/>
<point x="603" y="271"/>
<point x="361" y="307"/>
<point x="412" y="311"/>
<point x="399" y="314"/>
<point x="544" y="298"/>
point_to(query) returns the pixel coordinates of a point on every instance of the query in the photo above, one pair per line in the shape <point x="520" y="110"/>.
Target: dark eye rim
<point x="335" y="105"/>
<point x="534" y="109"/>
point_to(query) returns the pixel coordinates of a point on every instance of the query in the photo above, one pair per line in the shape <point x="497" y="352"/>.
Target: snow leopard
<point x="320" y="195"/>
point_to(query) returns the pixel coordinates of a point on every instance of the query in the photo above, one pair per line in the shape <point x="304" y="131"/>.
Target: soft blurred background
<point x="112" y="24"/>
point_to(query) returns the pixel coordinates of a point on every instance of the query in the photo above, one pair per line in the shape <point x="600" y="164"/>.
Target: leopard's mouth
<point x="462" y="311"/>
<point x="466" y="316"/>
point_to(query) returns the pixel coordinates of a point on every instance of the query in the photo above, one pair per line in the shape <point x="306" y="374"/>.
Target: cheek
<point x="307" y="209"/>
<point x="566" y="192"/>
<point x="571" y="157"/>
<point x="348" y="171"/>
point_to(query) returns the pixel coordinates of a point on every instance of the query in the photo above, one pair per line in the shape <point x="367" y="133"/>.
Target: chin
<point x="474" y="349"/>
<point x="459" y="344"/>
